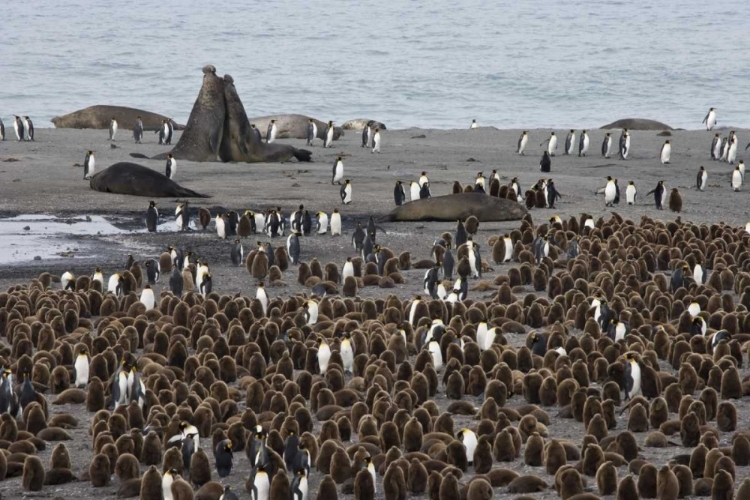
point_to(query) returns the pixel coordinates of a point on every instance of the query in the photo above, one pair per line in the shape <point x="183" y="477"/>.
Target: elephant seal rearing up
<point x="137" y="180"/>
<point x="459" y="206"/>
<point x="202" y="136"/>
<point x="240" y="143"/>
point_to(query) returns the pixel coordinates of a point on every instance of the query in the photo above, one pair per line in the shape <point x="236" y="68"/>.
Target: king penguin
<point x="659" y="193"/>
<point x="347" y="353"/>
<point x="710" y="119"/>
<point x="324" y="354"/>
<point x="376" y="141"/>
<point x="152" y="217"/>
<point x="607" y="145"/>
<point x="171" y="168"/>
<point x="2" y="130"/>
<point x="570" y="141"/>
<point x="702" y="179"/>
<point x="631" y="193"/>
<point x="736" y="179"/>
<point x="176" y="282"/>
<point x="473" y="125"/>
<point x="292" y="248"/>
<point x="366" y="136"/>
<point x="335" y="222"/>
<point x="237" y="253"/>
<point x="138" y="130"/>
<point x="18" y="127"/>
<point x="610" y="192"/>
<point x="312" y="131"/>
<point x="262" y="297"/>
<point x="583" y="143"/>
<point x="338" y="171"/>
<point x="271" y="132"/>
<point x="147" y="297"/>
<point x="522" y="141"/>
<point x="29" y="128"/>
<point x="89" y="164"/>
<point x="299" y="487"/>
<point x="346" y="192"/>
<point x="81" y="367"/>
<point x="328" y="141"/>
<point x="469" y="439"/>
<point x="399" y="195"/>
<point x="632" y="376"/>
<point x="624" y="144"/>
<point x="551" y="144"/>
<point x="666" y="152"/>
<point x="716" y="147"/>
<point x="112" y="129"/>
<point x="414" y="189"/>
<point x="322" y="222"/>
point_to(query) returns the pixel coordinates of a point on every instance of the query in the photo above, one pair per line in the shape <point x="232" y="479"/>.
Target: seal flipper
<point x="303" y="155"/>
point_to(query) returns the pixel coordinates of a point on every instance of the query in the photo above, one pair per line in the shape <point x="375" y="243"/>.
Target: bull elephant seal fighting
<point x="459" y="206"/>
<point x="218" y="129"/>
<point x="137" y="180"/>
<point x="240" y="143"/>
<point x="99" y="117"/>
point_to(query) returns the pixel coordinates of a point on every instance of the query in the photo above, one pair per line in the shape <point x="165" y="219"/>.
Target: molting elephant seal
<point x="240" y="143"/>
<point x="360" y="123"/>
<point x="458" y="206"/>
<point x="293" y="126"/>
<point x="137" y="180"/>
<point x="98" y="117"/>
<point x="637" y="124"/>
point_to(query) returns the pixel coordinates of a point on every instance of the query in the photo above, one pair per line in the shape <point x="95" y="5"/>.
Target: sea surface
<point x="422" y="63"/>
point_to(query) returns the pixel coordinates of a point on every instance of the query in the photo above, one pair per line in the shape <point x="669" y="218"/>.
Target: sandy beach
<point x="45" y="177"/>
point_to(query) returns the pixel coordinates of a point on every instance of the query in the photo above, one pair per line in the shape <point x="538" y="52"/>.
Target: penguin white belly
<point x="481" y="334"/>
<point x="113" y="283"/>
<point x="666" y="151"/>
<point x="508" y="250"/>
<point x="413" y="311"/>
<point x="732" y="154"/>
<point x="324" y="355"/>
<point x="414" y="191"/>
<point x="323" y="229"/>
<point x="552" y="145"/>
<point x="82" y="371"/>
<point x="470" y="443"/>
<point x="437" y="356"/>
<point x="630" y="194"/>
<point x="336" y="226"/>
<point x="736" y="180"/>
<point x="347" y="357"/>
<point x="348" y="270"/>
<point x="523" y="144"/>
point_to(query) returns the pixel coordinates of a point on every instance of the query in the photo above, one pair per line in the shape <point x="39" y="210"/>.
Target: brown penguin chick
<point x="675" y="201"/>
<point x="472" y="225"/>
<point x="571" y="483"/>
<point x="690" y="432"/>
<point x="340" y="467"/>
<point x="416" y="478"/>
<point x="593" y="458"/>
<point x="127" y="467"/>
<point x="152" y="450"/>
<point x="555" y="456"/>
<point x="151" y="484"/>
<point x="744" y="490"/>
<point x="647" y="481"/>
<point x="527" y="484"/>
<point x="394" y="483"/>
<point x="204" y="217"/>
<point x="731" y="386"/>
<point x="280" y="487"/>
<point x="200" y="468"/>
<point x="482" y="458"/>
<point x="534" y="450"/>
<point x="638" y="419"/>
<point x="181" y="490"/>
<point x="95" y="395"/>
<point x="479" y="489"/>
<point x="597" y="427"/>
<point x="327" y="489"/>
<point x="259" y="269"/>
<point x="667" y="486"/>
<point x="60" y="458"/>
<point x="188" y="283"/>
<point x="449" y="488"/>
<point x="350" y="286"/>
<point x="503" y="449"/>
<point x="684" y="480"/>
<point x="33" y="474"/>
<point x="412" y="435"/>
<point x="364" y="485"/>
<point x="627" y="489"/>
<point x="741" y="450"/>
<point x="99" y="471"/>
<point x="606" y="479"/>
<point x="723" y="486"/>
<point x="658" y="412"/>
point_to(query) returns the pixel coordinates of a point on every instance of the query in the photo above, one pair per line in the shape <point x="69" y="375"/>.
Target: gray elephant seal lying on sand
<point x="137" y="180"/>
<point x="293" y="126"/>
<point x="637" y="124"/>
<point x="361" y="123"/>
<point x="98" y="117"/>
<point x="459" y="206"/>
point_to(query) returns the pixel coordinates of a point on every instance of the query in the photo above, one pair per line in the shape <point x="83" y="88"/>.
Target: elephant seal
<point x="99" y="117"/>
<point x="459" y="206"/>
<point x="202" y="136"/>
<point x="360" y="123"/>
<point x="137" y="180"/>
<point x="293" y="126"/>
<point x="240" y="143"/>
<point x="637" y="124"/>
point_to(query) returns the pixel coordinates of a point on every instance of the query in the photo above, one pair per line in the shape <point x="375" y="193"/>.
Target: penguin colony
<point x="633" y="333"/>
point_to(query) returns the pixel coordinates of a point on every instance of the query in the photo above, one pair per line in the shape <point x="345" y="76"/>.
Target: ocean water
<point x="425" y="63"/>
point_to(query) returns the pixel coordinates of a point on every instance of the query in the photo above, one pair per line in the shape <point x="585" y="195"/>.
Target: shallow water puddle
<point x="26" y="238"/>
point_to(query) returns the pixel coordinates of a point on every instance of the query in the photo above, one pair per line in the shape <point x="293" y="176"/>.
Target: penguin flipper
<point x="302" y="155"/>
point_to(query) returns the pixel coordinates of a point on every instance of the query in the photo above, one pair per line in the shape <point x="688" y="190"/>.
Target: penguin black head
<point x="84" y="351"/>
<point x="552" y="133"/>
<point x="571" y="131"/>
<point x="252" y="125"/>
<point x="91" y="152"/>
<point x="228" y="446"/>
<point x="609" y="177"/>
<point x="273" y="121"/>
<point x="347" y="181"/>
<point x="301" y="472"/>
